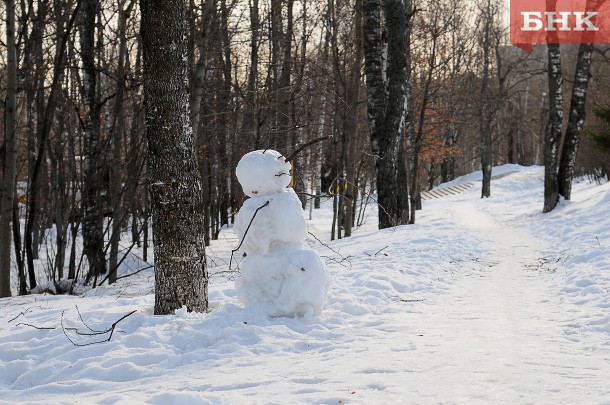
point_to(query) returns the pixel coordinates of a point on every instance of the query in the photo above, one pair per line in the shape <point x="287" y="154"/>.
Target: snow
<point x="287" y="282"/>
<point x="281" y="222"/>
<point x="482" y="301"/>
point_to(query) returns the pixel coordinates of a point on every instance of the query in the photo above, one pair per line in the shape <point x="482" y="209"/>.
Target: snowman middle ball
<point x="279" y="224"/>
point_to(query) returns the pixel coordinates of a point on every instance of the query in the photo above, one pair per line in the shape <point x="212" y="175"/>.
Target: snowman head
<point x="263" y="172"/>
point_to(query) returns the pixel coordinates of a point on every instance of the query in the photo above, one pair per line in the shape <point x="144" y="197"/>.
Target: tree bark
<point x="181" y="277"/>
<point x="93" y="239"/>
<point x="10" y="153"/>
<point x="387" y="102"/>
<point x="486" y="151"/>
<point x="351" y="125"/>
<point x="576" y="120"/>
<point x="553" y="130"/>
<point x="118" y="128"/>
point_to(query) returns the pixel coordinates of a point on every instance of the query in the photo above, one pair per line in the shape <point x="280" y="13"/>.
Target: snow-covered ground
<point x="482" y="301"/>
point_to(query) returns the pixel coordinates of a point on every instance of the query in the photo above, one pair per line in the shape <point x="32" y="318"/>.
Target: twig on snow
<point x="379" y="251"/>
<point x="23" y="313"/>
<point x="93" y="333"/>
<point x="343" y="258"/>
<point x="97" y="332"/>
<point x="397" y="298"/>
<point x="36" y="327"/>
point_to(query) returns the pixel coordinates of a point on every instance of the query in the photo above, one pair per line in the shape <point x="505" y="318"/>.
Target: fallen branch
<point x="379" y="251"/>
<point x="397" y="298"/>
<point x="93" y="332"/>
<point x="343" y="258"/>
<point x="36" y="327"/>
<point x="23" y="313"/>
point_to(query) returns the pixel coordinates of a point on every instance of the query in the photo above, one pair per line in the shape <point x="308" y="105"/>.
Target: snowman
<point x="279" y="275"/>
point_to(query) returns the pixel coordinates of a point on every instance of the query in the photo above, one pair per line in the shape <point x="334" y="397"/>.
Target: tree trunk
<point x="486" y="150"/>
<point x="118" y="128"/>
<point x="576" y="120"/>
<point x="181" y="277"/>
<point x="23" y="287"/>
<point x="10" y="151"/>
<point x="351" y="127"/>
<point x="250" y="126"/>
<point x="521" y="129"/>
<point x="553" y="130"/>
<point x="316" y="186"/>
<point x="93" y="239"/>
<point x="387" y="99"/>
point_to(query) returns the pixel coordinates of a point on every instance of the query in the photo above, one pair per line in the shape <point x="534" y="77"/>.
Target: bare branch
<point x="36" y="327"/>
<point x="305" y="145"/>
<point x="245" y="233"/>
<point x="94" y="333"/>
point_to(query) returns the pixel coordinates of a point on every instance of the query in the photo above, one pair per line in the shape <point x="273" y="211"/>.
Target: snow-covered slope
<point x="485" y="301"/>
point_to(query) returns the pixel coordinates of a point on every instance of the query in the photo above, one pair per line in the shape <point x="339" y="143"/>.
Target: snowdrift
<point x="373" y="342"/>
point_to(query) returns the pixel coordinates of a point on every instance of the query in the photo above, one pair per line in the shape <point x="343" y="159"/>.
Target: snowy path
<point x="502" y="334"/>
<point x="482" y="301"/>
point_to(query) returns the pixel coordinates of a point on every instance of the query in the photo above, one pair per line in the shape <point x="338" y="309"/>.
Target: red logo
<point x="558" y="22"/>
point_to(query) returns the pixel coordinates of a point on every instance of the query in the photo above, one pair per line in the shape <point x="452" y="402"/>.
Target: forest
<point x="379" y="101"/>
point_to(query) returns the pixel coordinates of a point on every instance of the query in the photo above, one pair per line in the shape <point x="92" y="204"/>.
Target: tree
<point x="46" y="115"/>
<point x="386" y="83"/>
<point x="10" y="153"/>
<point x="601" y="138"/>
<point x="175" y="184"/>
<point x="93" y="233"/>
<point x="118" y="128"/>
<point x="552" y="136"/>
<point x="576" y="120"/>
<point x="485" y="112"/>
<point x="577" y="113"/>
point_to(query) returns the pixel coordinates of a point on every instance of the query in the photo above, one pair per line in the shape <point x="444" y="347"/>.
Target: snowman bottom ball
<point x="292" y="282"/>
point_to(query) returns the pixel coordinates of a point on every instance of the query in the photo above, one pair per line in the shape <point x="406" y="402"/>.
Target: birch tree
<point x="576" y="120"/>
<point x="181" y="277"/>
<point x="577" y="113"/>
<point x="386" y="82"/>
<point x="552" y="136"/>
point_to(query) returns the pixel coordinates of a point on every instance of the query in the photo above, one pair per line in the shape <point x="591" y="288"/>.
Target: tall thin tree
<point x="10" y="152"/>
<point x="386" y="83"/>
<point x="92" y="218"/>
<point x="552" y="136"/>
<point x="577" y="112"/>
<point x="485" y="115"/>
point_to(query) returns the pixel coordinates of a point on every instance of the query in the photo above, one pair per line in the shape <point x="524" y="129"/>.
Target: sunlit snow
<point x="482" y="301"/>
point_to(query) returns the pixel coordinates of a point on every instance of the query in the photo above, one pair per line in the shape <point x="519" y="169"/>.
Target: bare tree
<point x="552" y="137"/>
<point x="181" y="277"/>
<point x="576" y="120"/>
<point x="10" y="153"/>
<point x="92" y="219"/>
<point x="386" y="82"/>
<point x="118" y="128"/>
<point x="488" y="13"/>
